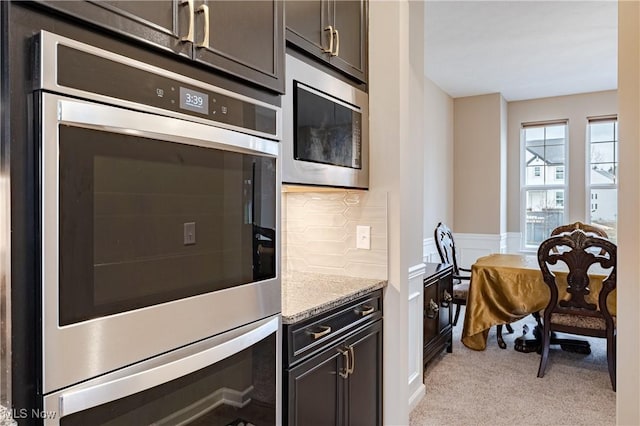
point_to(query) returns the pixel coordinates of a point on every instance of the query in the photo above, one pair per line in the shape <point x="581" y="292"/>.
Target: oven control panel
<point x="99" y="74"/>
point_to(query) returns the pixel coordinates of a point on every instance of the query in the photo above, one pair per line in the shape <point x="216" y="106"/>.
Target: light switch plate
<point x="363" y="237"/>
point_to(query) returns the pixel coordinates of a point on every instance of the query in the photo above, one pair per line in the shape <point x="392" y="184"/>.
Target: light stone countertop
<point x="305" y="294"/>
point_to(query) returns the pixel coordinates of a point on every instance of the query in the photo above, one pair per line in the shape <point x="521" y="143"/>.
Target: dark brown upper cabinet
<point x="242" y="38"/>
<point x="334" y="31"/>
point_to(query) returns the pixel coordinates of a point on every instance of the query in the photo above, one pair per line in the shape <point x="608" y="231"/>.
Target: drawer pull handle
<point x="446" y="299"/>
<point x="324" y="330"/>
<point x="432" y="312"/>
<point x="366" y="310"/>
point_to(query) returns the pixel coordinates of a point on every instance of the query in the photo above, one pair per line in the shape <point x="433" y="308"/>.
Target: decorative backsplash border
<point x="319" y="233"/>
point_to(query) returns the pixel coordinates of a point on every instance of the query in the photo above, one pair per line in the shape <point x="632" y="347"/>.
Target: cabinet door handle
<point x="205" y="40"/>
<point x="353" y="361"/>
<point x="446" y="299"/>
<point x="365" y="310"/>
<point x="337" y="51"/>
<point x="189" y="36"/>
<point x="330" y="49"/>
<point x="433" y="309"/>
<point x="324" y="330"/>
<point x="344" y="374"/>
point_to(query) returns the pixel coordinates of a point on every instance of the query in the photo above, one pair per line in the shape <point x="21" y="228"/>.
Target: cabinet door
<point x="315" y="390"/>
<point x="350" y="23"/>
<point x="243" y="38"/>
<point x="445" y="291"/>
<point x="431" y="312"/>
<point x="306" y="21"/>
<point x="159" y="23"/>
<point x="364" y="385"/>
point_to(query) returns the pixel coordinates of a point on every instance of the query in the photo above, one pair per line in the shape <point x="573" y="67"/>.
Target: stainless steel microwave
<point x="326" y="129"/>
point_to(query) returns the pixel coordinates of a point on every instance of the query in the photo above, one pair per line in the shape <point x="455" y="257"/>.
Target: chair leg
<point x="501" y="342"/>
<point x="611" y="359"/>
<point x="546" y="339"/>
<point x="509" y="328"/>
<point x="455" y="318"/>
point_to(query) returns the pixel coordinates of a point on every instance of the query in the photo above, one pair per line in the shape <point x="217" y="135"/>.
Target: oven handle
<point x="84" y="399"/>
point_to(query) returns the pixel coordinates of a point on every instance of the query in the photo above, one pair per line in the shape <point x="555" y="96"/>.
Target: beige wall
<point x="476" y="175"/>
<point x="438" y="158"/>
<point x="628" y="367"/>
<point x="575" y="108"/>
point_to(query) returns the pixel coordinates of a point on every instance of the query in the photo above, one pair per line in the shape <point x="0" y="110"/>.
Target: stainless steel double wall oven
<point x="160" y="253"/>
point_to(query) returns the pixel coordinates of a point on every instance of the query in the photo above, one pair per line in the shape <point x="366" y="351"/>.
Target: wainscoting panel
<point x="415" y="370"/>
<point x="430" y="251"/>
<point x="472" y="246"/>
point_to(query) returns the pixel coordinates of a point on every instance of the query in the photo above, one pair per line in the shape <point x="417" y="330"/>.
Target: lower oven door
<point x="230" y="379"/>
<point x="157" y="232"/>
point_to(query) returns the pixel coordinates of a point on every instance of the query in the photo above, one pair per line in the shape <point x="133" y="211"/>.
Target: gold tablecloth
<point x="508" y="287"/>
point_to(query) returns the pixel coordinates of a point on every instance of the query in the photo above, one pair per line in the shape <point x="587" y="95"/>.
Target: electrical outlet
<point x="189" y="229"/>
<point x="363" y="237"/>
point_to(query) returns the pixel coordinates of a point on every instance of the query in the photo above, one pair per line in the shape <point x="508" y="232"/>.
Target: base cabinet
<point x="437" y="314"/>
<point x="341" y="382"/>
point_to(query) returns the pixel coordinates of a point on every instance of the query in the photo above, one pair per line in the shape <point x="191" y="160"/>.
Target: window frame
<point x="588" y="185"/>
<point x="524" y="247"/>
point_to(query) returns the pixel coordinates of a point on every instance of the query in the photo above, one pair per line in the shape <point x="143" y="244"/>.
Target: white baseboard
<point x="415" y="331"/>
<point x="416" y="397"/>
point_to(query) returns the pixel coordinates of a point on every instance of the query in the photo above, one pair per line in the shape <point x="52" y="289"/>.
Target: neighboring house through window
<point x="602" y="177"/>
<point x="543" y="188"/>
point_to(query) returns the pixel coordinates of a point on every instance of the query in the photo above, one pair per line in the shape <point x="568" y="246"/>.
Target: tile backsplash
<point x="319" y="233"/>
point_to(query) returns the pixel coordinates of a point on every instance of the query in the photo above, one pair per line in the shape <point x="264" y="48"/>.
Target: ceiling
<point x="522" y="49"/>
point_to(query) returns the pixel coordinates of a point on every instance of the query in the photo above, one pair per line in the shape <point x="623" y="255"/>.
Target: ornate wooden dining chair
<point x="575" y="314"/>
<point x="447" y="251"/>
<point x="588" y="229"/>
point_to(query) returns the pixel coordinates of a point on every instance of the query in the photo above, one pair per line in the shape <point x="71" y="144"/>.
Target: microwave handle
<point x="84" y="399"/>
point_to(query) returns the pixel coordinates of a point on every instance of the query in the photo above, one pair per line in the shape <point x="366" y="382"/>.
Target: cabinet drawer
<point x="307" y="337"/>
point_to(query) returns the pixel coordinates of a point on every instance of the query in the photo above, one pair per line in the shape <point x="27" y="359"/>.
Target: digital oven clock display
<point x="194" y="101"/>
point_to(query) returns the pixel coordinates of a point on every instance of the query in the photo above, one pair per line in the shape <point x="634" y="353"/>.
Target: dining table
<point x="507" y="287"/>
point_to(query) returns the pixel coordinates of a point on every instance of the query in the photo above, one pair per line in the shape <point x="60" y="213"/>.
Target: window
<point x="602" y="134"/>
<point x="543" y="187"/>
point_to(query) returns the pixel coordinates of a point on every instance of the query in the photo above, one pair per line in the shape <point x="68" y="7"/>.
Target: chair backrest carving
<point x="579" y="225"/>
<point x="446" y="246"/>
<point x="578" y="255"/>
<point x="588" y="229"/>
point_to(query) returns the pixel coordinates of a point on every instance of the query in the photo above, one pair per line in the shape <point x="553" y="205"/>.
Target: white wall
<point x="628" y="366"/>
<point x="396" y="165"/>
<point x="438" y="165"/>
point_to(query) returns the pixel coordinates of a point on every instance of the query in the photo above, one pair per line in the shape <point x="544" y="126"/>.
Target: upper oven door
<point x="156" y="232"/>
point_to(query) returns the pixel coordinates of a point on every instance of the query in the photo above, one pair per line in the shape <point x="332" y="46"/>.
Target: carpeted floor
<point x="501" y="387"/>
